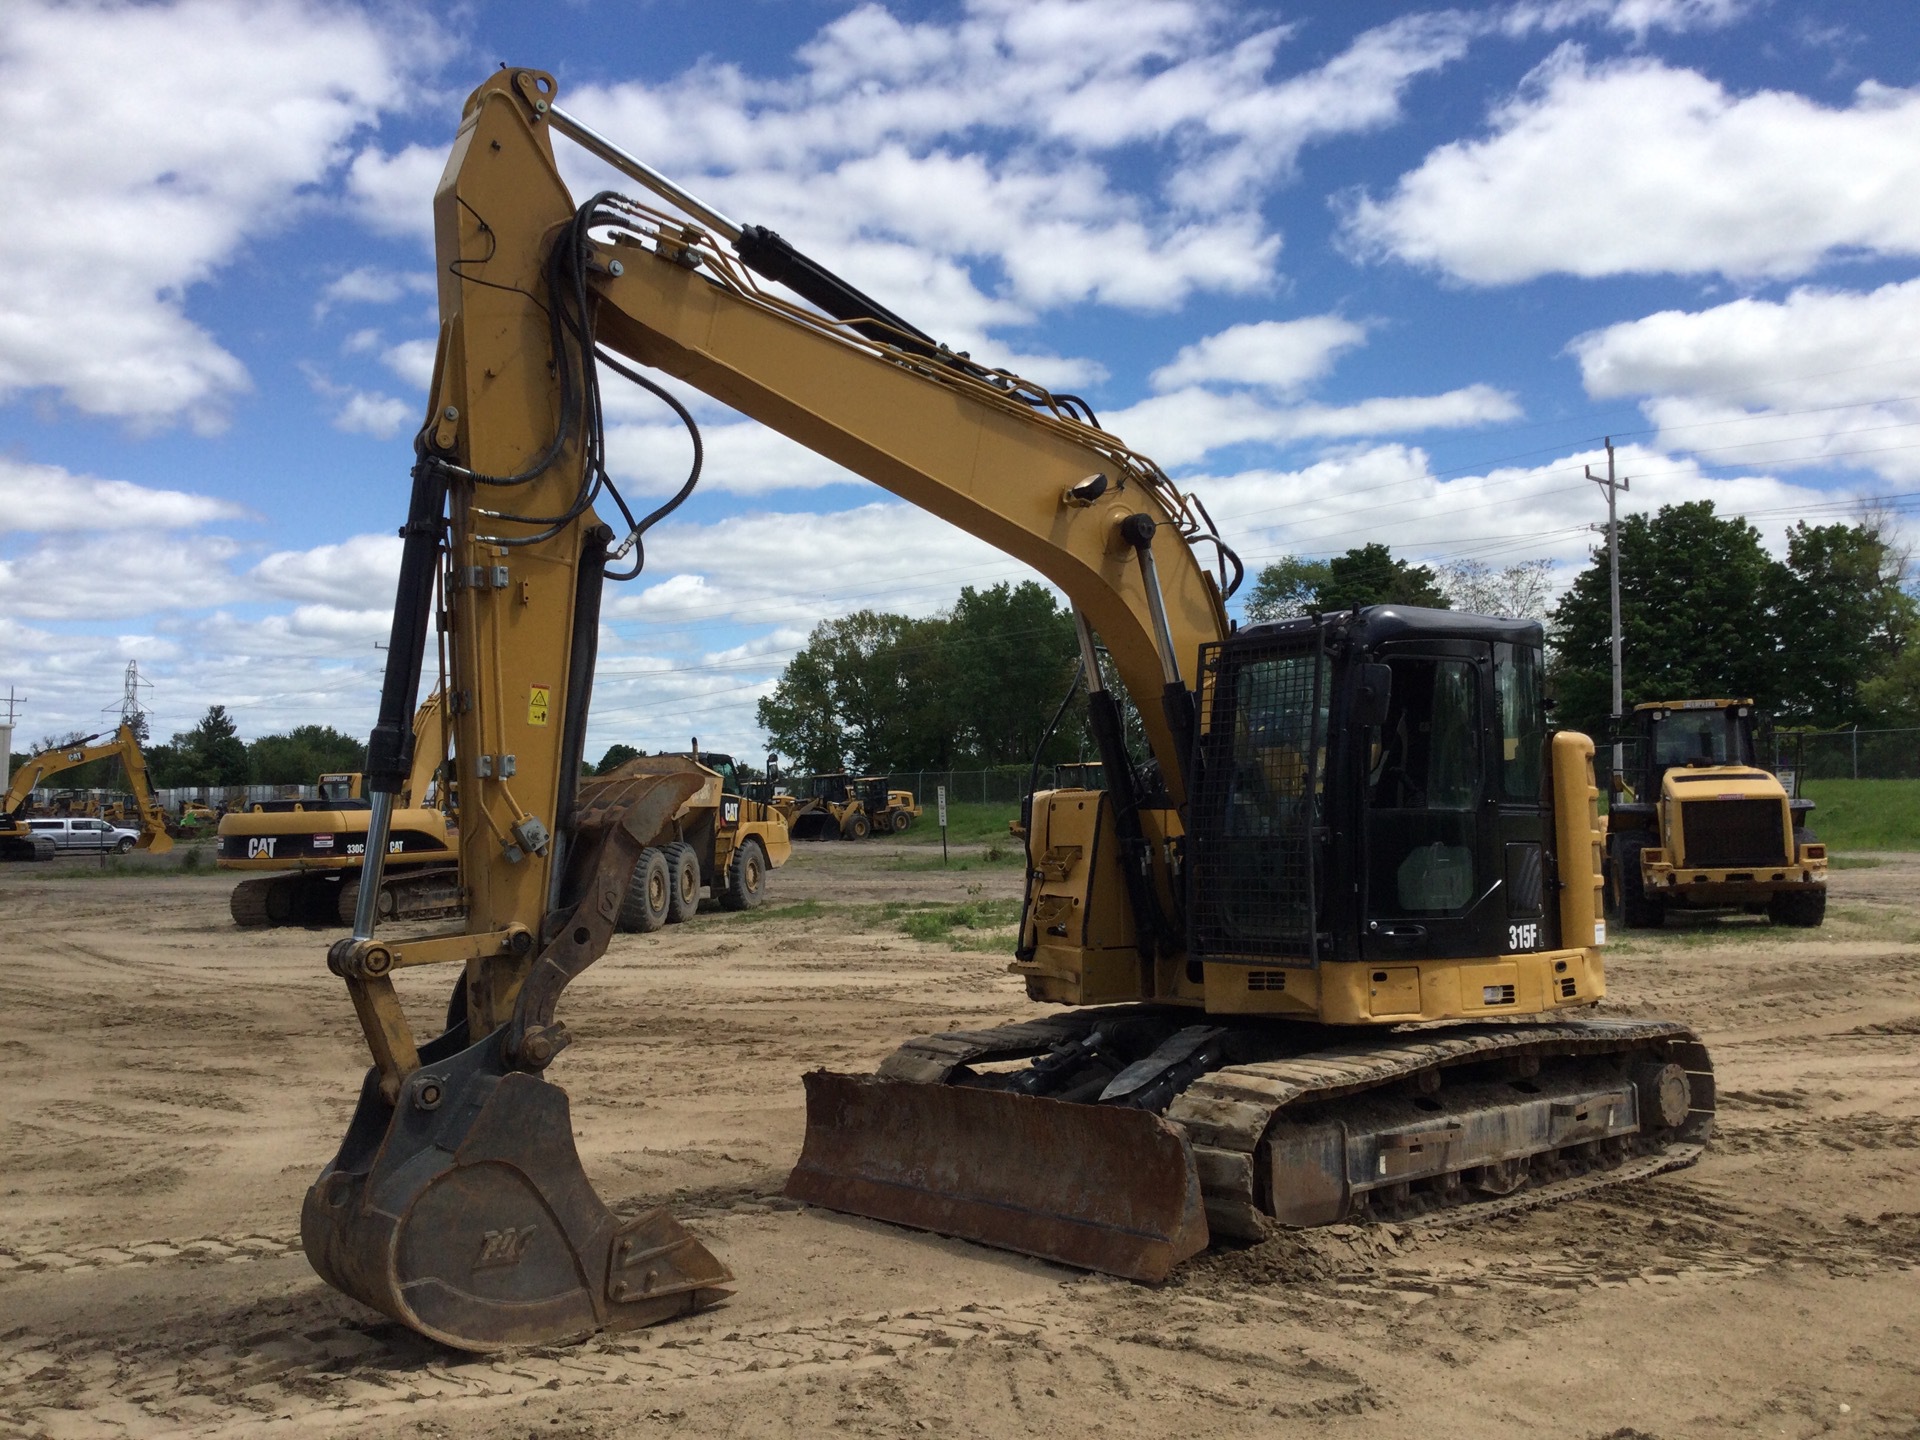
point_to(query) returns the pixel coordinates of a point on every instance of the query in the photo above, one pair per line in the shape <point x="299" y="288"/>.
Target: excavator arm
<point x="124" y="747"/>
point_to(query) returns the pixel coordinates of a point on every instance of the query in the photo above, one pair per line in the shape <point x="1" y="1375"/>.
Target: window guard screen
<point x="1258" y="800"/>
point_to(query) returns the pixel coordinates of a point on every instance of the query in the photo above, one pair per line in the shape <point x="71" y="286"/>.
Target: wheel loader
<point x="1334" y="953"/>
<point x="1694" y="823"/>
<point x="888" y="811"/>
<point x="17" y="840"/>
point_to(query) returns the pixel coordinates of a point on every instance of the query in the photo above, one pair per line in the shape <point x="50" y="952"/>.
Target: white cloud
<point x="412" y="361"/>
<point x="364" y="567"/>
<point x="1390" y="495"/>
<point x="1635" y="17"/>
<point x="393" y="194"/>
<point x="1183" y="426"/>
<point x="1281" y="355"/>
<point x="71" y="578"/>
<point x="372" y="285"/>
<point x="47" y="497"/>
<point x="148" y="144"/>
<point x="1637" y="167"/>
<point x="741" y="457"/>
<point x="366" y="412"/>
<point x="970" y="171"/>
<point x="1824" y="377"/>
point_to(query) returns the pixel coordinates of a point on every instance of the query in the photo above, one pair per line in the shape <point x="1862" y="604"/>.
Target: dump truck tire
<point x="683" y="872"/>
<point x="746" y="887"/>
<point x="645" y="907"/>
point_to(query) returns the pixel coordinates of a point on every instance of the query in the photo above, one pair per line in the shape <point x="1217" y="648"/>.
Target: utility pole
<point x="13" y="703"/>
<point x="1613" y="486"/>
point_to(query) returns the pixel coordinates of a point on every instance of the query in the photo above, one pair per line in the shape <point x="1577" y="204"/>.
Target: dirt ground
<point x="169" y="1087"/>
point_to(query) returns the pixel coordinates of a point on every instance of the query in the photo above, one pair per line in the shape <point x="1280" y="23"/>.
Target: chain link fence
<point x="1852" y="754"/>
<point x="1001" y="785"/>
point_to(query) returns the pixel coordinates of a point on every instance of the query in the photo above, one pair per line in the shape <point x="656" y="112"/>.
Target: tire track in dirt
<point x="294" y="1363"/>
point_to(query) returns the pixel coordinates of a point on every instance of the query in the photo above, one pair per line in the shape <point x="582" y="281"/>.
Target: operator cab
<point x="1430" y="842"/>
<point x="336" y="788"/>
<point x="1674" y="734"/>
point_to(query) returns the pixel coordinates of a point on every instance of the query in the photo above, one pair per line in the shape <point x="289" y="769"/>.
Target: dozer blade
<point x="1101" y="1187"/>
<point x="463" y="1212"/>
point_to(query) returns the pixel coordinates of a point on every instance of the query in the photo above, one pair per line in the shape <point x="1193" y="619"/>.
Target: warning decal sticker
<point x="538" y="703"/>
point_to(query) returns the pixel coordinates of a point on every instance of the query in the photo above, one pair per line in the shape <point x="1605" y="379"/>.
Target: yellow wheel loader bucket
<point x="1101" y="1187"/>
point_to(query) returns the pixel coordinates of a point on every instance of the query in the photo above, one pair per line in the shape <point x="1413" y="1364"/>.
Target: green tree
<point x="875" y="692"/>
<point x="858" y="694"/>
<point x="304" y="752"/>
<point x="1697" y="618"/>
<point x="1289" y="587"/>
<point x="1844" y="620"/>
<point x="1369" y="575"/>
<point x="616" y="756"/>
<point x="1364" y="575"/>
<point x="1011" y="652"/>
<point x="209" y="754"/>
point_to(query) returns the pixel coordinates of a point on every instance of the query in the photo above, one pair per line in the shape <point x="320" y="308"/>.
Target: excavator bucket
<point x="1101" y="1187"/>
<point x="463" y="1212"/>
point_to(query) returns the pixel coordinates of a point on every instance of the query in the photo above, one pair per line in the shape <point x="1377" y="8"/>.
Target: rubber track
<point x="1226" y="1113"/>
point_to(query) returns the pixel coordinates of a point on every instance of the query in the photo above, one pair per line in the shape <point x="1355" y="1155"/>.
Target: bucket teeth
<point x="463" y="1212"/>
<point x="1100" y="1187"/>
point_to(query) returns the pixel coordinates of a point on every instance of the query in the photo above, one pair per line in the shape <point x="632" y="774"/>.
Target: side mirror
<point x="1372" y="689"/>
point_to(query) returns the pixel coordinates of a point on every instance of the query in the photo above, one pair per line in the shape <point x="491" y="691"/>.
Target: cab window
<point x="1516" y="687"/>
<point x="1424" y="786"/>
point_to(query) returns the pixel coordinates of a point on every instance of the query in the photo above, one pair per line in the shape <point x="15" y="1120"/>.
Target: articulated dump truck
<point x="1334" y="954"/>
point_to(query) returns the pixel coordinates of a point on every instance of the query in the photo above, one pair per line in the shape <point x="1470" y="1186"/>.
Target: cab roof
<point x="1370" y="625"/>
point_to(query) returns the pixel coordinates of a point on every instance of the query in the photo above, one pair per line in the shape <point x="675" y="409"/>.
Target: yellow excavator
<point x="17" y="840"/>
<point x="1352" y="827"/>
<point x="315" y="849"/>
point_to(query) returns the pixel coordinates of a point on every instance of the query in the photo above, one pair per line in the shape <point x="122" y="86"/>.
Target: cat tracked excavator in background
<point x="316" y="848"/>
<point x="17" y="840"/>
<point x="1353" y="822"/>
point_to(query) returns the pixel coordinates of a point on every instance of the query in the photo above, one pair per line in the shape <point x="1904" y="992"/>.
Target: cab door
<point x="1433" y="871"/>
<point x="1519" y="799"/>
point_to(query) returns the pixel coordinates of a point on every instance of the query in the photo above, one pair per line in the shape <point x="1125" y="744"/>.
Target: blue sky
<point x="1351" y="272"/>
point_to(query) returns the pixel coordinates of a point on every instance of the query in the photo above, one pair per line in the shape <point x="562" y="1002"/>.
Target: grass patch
<point x="798" y="910"/>
<point x="969" y="822"/>
<point x="991" y="856"/>
<point x="1865" y="814"/>
<point x="181" y="860"/>
<point x="937" y="924"/>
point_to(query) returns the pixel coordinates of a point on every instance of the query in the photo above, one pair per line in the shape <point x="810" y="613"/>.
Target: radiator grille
<point x="1266" y="979"/>
<point x="1256" y="801"/>
<point x="1732" y="832"/>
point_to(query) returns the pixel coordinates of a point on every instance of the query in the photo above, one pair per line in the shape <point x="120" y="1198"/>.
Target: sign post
<point x="940" y="793"/>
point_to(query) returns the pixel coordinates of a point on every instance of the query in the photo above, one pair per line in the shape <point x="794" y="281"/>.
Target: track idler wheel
<point x="463" y="1212"/>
